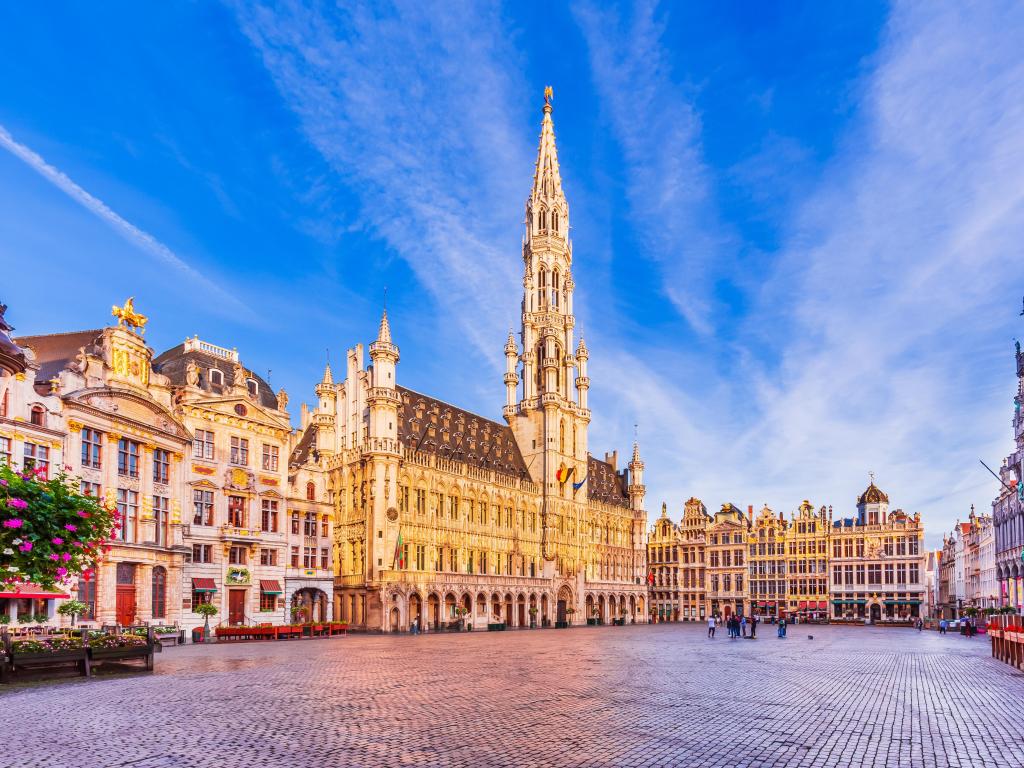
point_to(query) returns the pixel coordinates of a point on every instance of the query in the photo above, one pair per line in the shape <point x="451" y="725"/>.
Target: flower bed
<point x="55" y="648"/>
<point x="115" y="647"/>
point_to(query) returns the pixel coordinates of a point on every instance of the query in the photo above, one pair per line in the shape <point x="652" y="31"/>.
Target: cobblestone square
<point x="607" y="696"/>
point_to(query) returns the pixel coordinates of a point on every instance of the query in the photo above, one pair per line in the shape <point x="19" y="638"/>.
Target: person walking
<point x="711" y="626"/>
<point x="743" y="625"/>
<point x="943" y="626"/>
<point x="753" y="626"/>
<point x="782" y="627"/>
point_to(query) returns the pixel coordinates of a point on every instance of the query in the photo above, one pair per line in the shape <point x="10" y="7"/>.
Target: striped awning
<point x="270" y="587"/>
<point x="204" y="585"/>
<point x="32" y="592"/>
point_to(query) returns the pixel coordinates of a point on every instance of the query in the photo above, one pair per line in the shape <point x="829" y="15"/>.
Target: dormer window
<point x="216" y="377"/>
<point x="253" y="386"/>
<point x="38" y="416"/>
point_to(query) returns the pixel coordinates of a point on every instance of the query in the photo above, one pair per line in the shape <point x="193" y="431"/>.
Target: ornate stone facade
<point x="767" y="563"/>
<point x="1008" y="507"/>
<point x="127" y="446"/>
<point x="727" y="537"/>
<point x="807" y="572"/>
<point x="445" y="516"/>
<point x="877" y="562"/>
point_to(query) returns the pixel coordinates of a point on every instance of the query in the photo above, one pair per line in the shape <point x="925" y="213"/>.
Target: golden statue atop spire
<point x="549" y="95"/>
<point x="127" y="317"/>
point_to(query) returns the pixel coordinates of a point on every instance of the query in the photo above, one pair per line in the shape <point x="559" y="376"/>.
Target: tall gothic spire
<point x="384" y="332"/>
<point x="547" y="177"/>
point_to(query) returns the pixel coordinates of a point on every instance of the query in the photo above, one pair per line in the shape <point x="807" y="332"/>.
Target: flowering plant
<point x="116" y="641"/>
<point x="49" y="532"/>
<point x="47" y="645"/>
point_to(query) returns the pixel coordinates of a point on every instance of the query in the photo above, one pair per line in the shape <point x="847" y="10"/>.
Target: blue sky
<point x="796" y="227"/>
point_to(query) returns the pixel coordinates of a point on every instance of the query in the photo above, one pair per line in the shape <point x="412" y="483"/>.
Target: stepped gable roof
<point x="428" y="424"/>
<point x="605" y="484"/>
<point x="304" y="448"/>
<point x="174" y="363"/>
<point x="872" y="495"/>
<point x="55" y="351"/>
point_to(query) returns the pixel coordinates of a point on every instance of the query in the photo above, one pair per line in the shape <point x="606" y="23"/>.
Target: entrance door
<point x="560" y="611"/>
<point x="236" y="606"/>
<point x="876" y="612"/>
<point x="726" y="610"/>
<point x="125" y="604"/>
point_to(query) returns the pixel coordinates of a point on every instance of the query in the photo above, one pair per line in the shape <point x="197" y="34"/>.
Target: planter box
<point x="561" y="625"/>
<point x="499" y="627"/>
<point x="591" y="622"/>
<point x="52" y="657"/>
<point x="166" y="640"/>
<point x="136" y="652"/>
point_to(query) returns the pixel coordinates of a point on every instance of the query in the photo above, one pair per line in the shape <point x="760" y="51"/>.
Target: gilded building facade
<point x="727" y="534"/>
<point x="877" y="562"/>
<point x="807" y="543"/>
<point x="443" y="515"/>
<point x="127" y="445"/>
<point x="693" y="554"/>
<point x="664" y="556"/>
<point x="767" y="564"/>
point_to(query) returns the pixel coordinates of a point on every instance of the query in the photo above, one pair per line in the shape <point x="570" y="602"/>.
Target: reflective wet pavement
<point x="616" y="696"/>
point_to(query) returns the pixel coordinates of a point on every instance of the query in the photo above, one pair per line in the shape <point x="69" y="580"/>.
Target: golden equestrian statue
<point x="549" y="94"/>
<point x="127" y="317"/>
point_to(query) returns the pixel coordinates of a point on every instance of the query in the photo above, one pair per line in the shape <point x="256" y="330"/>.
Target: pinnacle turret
<point x="384" y="332"/>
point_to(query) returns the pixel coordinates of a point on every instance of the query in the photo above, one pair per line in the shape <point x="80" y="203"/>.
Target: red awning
<point x="762" y="603"/>
<point x="33" y="591"/>
<point x="204" y="585"/>
<point x="803" y="603"/>
<point x="270" y="587"/>
<point x="823" y="605"/>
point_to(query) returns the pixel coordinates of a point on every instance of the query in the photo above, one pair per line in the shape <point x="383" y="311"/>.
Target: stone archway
<point x="449" y="606"/>
<point x="415" y="612"/>
<point x="521" y="616"/>
<point x="564" y="603"/>
<point x="395" y="619"/>
<point x="544" y="613"/>
<point x="309" y="604"/>
<point x="495" y="615"/>
<point x="481" y="607"/>
<point x="508" y="615"/>
<point x="434" y="610"/>
<point x="876" y="612"/>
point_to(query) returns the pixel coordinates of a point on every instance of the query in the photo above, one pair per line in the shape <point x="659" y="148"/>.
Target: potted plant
<point x="299" y="613"/>
<point x="206" y="610"/>
<point x="72" y="609"/>
<point x="126" y="645"/>
<point x="533" y="617"/>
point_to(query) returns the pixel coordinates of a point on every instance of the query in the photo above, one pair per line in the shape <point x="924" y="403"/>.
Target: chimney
<point x="304" y="420"/>
<point x="613" y="459"/>
<point x="750" y="511"/>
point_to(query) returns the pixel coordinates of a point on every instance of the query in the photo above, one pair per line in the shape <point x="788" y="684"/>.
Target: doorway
<point x="876" y="612"/>
<point x="125" y="603"/>
<point x="236" y="606"/>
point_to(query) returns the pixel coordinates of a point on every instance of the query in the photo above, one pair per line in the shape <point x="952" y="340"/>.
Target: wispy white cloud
<point x="125" y="229"/>
<point x="659" y="130"/>
<point x="876" y="339"/>
<point x="410" y="107"/>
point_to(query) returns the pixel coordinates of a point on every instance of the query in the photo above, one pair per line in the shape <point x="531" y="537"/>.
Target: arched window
<point x="554" y="288"/>
<point x="38" y="416"/>
<point x="216" y="377"/>
<point x="253" y="386"/>
<point x="543" y="220"/>
<point x="554" y="220"/>
<point x="542" y="285"/>
<point x="311" y="491"/>
<point x="159" y="592"/>
<point x="561" y="436"/>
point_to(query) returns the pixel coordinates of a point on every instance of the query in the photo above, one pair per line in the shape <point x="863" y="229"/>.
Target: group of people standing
<point x="968" y="627"/>
<point x="737" y="626"/>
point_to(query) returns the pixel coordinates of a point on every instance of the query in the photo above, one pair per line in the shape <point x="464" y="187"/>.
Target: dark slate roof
<point x="174" y="361"/>
<point x="305" y="447"/>
<point x="605" y="484"/>
<point x="11" y="355"/>
<point x="428" y="424"/>
<point x="54" y="351"/>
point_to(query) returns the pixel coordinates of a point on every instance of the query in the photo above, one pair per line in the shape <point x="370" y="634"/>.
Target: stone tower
<point x="551" y="417"/>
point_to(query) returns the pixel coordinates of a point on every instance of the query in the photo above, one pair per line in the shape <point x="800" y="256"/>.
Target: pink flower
<point x="54" y="556"/>
<point x="78" y="544"/>
<point x="83" y="514"/>
<point x="66" y="557"/>
<point x="3" y="482"/>
<point x="62" y="572"/>
<point x="57" y="540"/>
<point x="17" y="503"/>
<point x="70" y="527"/>
<point x="13" y="522"/>
<point x="26" y="546"/>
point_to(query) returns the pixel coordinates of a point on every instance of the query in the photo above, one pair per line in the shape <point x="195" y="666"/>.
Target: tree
<point x="206" y="610"/>
<point x="50" y="533"/>
<point x="72" y="608"/>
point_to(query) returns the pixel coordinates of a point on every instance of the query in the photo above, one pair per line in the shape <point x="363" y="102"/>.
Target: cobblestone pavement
<point x="604" y="696"/>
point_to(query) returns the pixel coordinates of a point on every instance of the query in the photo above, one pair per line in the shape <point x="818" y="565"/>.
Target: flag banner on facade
<point x="564" y="473"/>
<point x="399" y="552"/>
<point x="577" y="486"/>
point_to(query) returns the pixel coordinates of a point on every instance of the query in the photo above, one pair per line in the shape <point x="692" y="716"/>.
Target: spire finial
<point x="549" y="96"/>
<point x="871" y="477"/>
